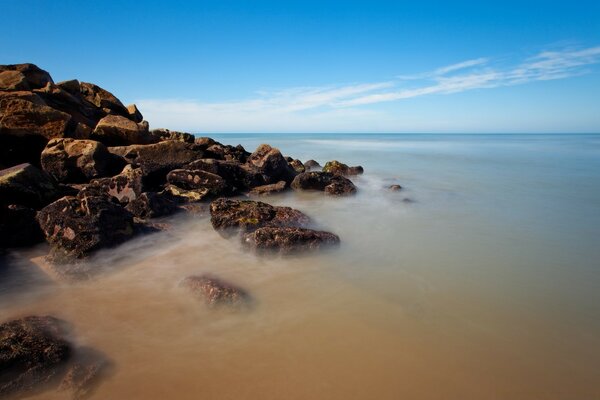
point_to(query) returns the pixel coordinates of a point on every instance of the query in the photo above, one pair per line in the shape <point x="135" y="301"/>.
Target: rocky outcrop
<point x="33" y="352"/>
<point x="165" y="134"/>
<point x="329" y="183"/>
<point x="26" y="185"/>
<point x="77" y="161"/>
<point x="77" y="226"/>
<point x="18" y="226"/>
<point x="231" y="216"/>
<point x="102" y="99"/>
<point x="336" y="167"/>
<point x="288" y="240"/>
<point x="214" y="291"/>
<point x="29" y="76"/>
<point x="266" y="190"/>
<point x="115" y="130"/>
<point x="269" y="162"/>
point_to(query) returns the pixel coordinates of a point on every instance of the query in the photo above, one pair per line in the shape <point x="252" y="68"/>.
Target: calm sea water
<point x="485" y="286"/>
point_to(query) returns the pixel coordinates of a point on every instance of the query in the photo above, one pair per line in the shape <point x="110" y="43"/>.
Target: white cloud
<point x="341" y="107"/>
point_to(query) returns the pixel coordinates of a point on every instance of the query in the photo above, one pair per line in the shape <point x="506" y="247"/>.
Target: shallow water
<point x="487" y="286"/>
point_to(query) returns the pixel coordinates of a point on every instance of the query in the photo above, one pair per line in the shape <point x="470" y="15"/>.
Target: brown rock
<point x="187" y="196"/>
<point x="288" y="240"/>
<point x="165" y="134"/>
<point x="265" y="190"/>
<point x="336" y="167"/>
<point x="271" y="164"/>
<point x="115" y="130"/>
<point x="134" y="113"/>
<point x="26" y="185"/>
<point x="124" y="187"/>
<point x="228" y="153"/>
<point x="214" y="291"/>
<point x="395" y="188"/>
<point x="152" y="205"/>
<point x="13" y="80"/>
<point x="311" y="164"/>
<point x="102" y="99"/>
<point x="297" y="166"/>
<point x="239" y="177"/>
<point x="331" y="184"/>
<point x="34" y="76"/>
<point x="191" y="179"/>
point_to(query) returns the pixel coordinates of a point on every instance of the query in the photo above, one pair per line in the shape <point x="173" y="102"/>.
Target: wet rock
<point x="238" y="177"/>
<point x="18" y="227"/>
<point x="152" y="205"/>
<point x="76" y="161"/>
<point x="288" y="240"/>
<point x="124" y="187"/>
<point x="165" y="134"/>
<point x="191" y="179"/>
<point x="157" y="160"/>
<point x="103" y="99"/>
<point x="26" y="185"/>
<point x="268" y="189"/>
<point x="311" y="164"/>
<point x="35" y="77"/>
<point x="297" y="166"/>
<point x="271" y="164"/>
<point x="115" y="130"/>
<point x="134" y="113"/>
<point x="336" y="167"/>
<point x="75" y="227"/>
<point x="214" y="291"/>
<point x="230" y="216"/>
<point x="329" y="183"/>
<point x="395" y="188"/>
<point x="33" y="352"/>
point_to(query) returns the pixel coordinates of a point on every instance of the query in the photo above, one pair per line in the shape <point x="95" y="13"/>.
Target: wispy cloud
<point x="341" y="107"/>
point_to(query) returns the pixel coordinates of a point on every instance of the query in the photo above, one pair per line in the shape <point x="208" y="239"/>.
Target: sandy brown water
<point x="455" y="296"/>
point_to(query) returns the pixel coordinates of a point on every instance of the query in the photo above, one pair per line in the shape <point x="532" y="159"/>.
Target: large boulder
<point x="231" y="216"/>
<point x="103" y="99"/>
<point x="329" y="183"/>
<point x="18" y="227"/>
<point x="77" y="161"/>
<point x="77" y="226"/>
<point x="239" y="177"/>
<point x="214" y="291"/>
<point x="288" y="240"/>
<point x="26" y="127"/>
<point x="33" y="352"/>
<point x="34" y="77"/>
<point x="125" y="187"/>
<point x="13" y="80"/>
<point x="115" y="130"/>
<point x="156" y="160"/>
<point x="26" y="185"/>
<point x="271" y="164"/>
<point x="191" y="179"/>
<point x="336" y="167"/>
<point x="165" y="134"/>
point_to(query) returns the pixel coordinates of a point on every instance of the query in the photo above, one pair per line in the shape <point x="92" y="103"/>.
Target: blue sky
<point x="325" y="66"/>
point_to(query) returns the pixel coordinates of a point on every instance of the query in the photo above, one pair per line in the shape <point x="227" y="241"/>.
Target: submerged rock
<point x="230" y="216"/>
<point x="214" y="291"/>
<point x="336" y="167"/>
<point x="32" y="353"/>
<point x="288" y="240"/>
<point x="152" y="205"/>
<point x="329" y="183"/>
<point x="395" y="188"/>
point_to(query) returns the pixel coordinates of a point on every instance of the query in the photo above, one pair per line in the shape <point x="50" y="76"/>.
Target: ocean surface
<point x="480" y="280"/>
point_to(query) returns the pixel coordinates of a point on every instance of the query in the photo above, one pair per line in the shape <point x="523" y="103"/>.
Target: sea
<point x="479" y="279"/>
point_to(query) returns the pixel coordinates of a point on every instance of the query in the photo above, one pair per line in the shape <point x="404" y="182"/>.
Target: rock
<point x="288" y="240"/>
<point x="205" y="142"/>
<point x="165" y="134"/>
<point x="311" y="164"/>
<point x="102" y="99"/>
<point x="237" y="176"/>
<point x="268" y="189"/>
<point x="297" y="166"/>
<point x="23" y="95"/>
<point x="26" y="127"/>
<point x="33" y="353"/>
<point x="191" y="179"/>
<point x="134" y="113"/>
<point x="228" y="153"/>
<point x="75" y="227"/>
<point x="229" y="216"/>
<point x="77" y="161"/>
<point x="115" y="130"/>
<point x="331" y="184"/>
<point x="394" y="188"/>
<point x="26" y="185"/>
<point x="156" y="160"/>
<point x="271" y="164"/>
<point x="124" y="187"/>
<point x="81" y="378"/>
<point x="13" y="81"/>
<point x="34" y="77"/>
<point x="71" y="86"/>
<point x="18" y="227"/>
<point x="336" y="167"/>
<point x="214" y="291"/>
<point x="187" y="196"/>
<point x="152" y="205"/>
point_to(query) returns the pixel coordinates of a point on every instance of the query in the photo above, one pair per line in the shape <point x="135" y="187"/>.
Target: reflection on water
<point x="486" y="287"/>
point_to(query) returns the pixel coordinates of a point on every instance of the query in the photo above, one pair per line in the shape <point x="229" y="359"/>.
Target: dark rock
<point x="191" y="179"/>
<point x="115" y="130"/>
<point x="288" y="240"/>
<point x="71" y="86"/>
<point x="152" y="205"/>
<point x="102" y="99"/>
<point x="271" y="164"/>
<point x="268" y="189"/>
<point x="239" y="177"/>
<point x="229" y="216"/>
<point x="165" y="134"/>
<point x="26" y="185"/>
<point x="297" y="166"/>
<point x="311" y="164"/>
<point x="214" y="291"/>
<point x="336" y="167"/>
<point x="124" y="187"/>
<point x="156" y="160"/>
<point x="77" y="226"/>
<point x="134" y="113"/>
<point x="18" y="227"/>
<point x="33" y="353"/>
<point x="205" y="142"/>
<point x="13" y="81"/>
<point x="394" y="188"/>
<point x="34" y="77"/>
<point x="228" y="153"/>
<point x="331" y="184"/>
<point x="23" y="95"/>
<point x="184" y="196"/>
<point x="76" y="161"/>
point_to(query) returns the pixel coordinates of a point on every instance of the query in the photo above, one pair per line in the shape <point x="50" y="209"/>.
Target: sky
<point x="325" y="66"/>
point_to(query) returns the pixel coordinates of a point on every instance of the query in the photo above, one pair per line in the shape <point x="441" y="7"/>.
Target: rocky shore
<point x="84" y="172"/>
